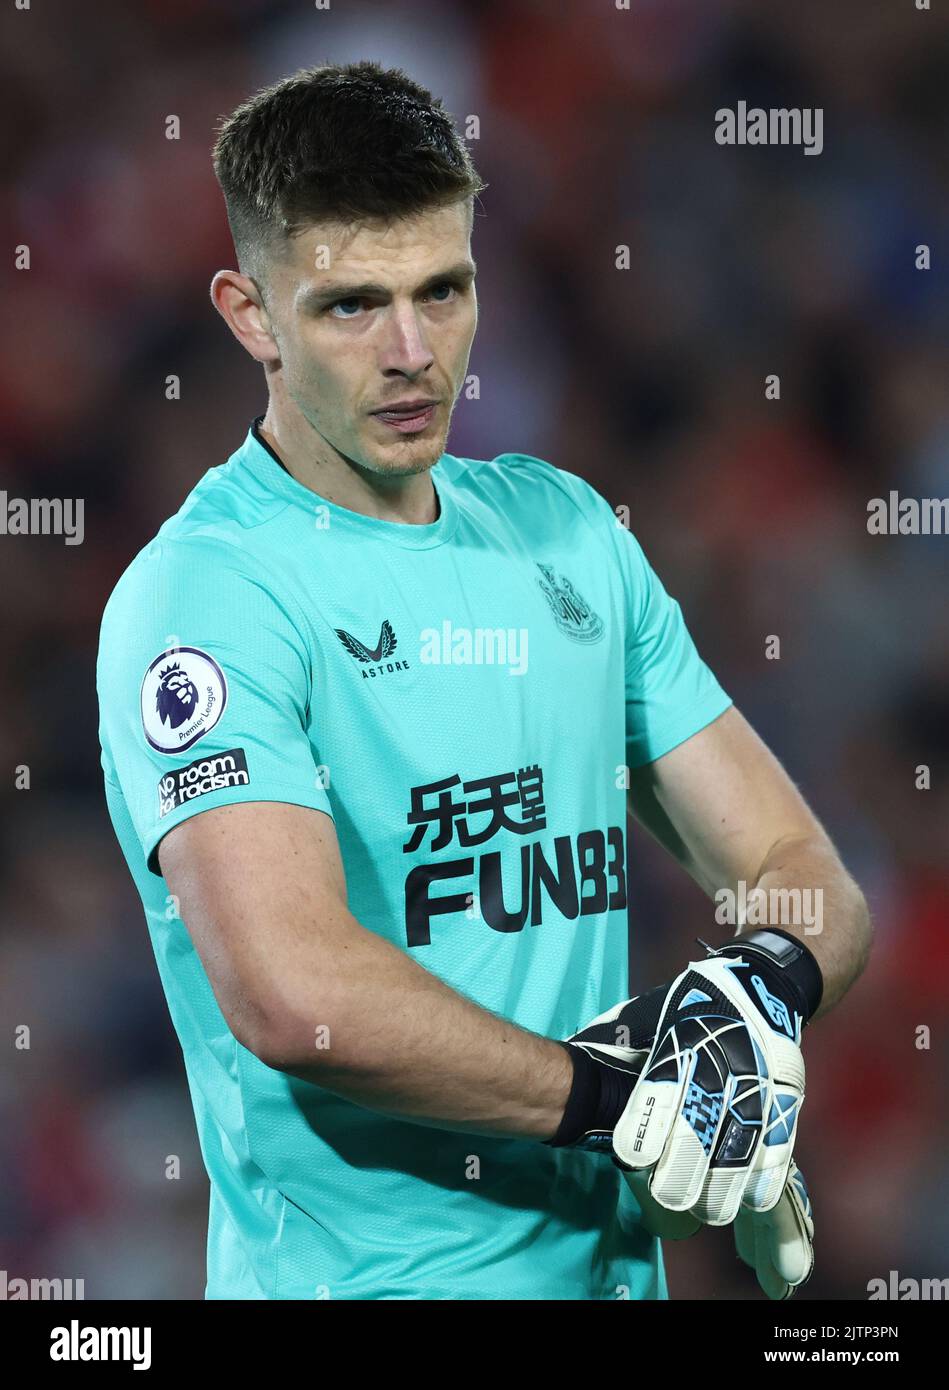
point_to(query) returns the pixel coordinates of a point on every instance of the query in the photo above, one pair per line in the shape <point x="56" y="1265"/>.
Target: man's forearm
<point x="838" y="933"/>
<point x="390" y="1035"/>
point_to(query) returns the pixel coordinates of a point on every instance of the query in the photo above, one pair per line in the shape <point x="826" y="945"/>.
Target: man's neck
<point x="407" y="498"/>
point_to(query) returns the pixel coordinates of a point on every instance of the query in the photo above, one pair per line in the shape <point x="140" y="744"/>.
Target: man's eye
<point x="349" y="308"/>
<point x="345" y="304"/>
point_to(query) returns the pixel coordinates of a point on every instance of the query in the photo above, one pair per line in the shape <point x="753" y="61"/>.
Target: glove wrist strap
<point x="788" y="962"/>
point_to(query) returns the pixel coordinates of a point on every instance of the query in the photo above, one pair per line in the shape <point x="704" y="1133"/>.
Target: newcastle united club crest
<point x="572" y="614"/>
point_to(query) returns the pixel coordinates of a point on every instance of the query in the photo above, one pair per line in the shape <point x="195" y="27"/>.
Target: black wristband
<point x="785" y="962"/>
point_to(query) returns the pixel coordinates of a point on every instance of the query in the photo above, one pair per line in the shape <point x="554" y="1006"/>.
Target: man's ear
<point x="238" y="300"/>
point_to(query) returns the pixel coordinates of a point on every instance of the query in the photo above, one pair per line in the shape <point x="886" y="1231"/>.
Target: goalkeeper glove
<point x="714" y="1113"/>
<point x="612" y="1052"/>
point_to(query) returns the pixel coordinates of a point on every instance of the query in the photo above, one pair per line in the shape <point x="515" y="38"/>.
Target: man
<point x="367" y="709"/>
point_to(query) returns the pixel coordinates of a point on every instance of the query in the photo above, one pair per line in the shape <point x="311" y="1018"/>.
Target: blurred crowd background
<point x="596" y="130"/>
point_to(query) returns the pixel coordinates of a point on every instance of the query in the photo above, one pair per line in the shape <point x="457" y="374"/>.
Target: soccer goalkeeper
<point x="370" y="716"/>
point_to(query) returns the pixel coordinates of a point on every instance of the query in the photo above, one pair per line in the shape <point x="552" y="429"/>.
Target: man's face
<point x="372" y="317"/>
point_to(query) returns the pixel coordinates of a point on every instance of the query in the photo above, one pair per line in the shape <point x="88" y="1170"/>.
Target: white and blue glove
<point x="714" y="1113"/>
<point x="697" y="1087"/>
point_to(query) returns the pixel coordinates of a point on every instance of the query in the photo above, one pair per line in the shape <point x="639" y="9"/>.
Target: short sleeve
<point x="204" y="683"/>
<point x="670" y="691"/>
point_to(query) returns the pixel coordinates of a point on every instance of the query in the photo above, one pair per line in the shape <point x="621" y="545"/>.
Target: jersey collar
<point x="257" y="456"/>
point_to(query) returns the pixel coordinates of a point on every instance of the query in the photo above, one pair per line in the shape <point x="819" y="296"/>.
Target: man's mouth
<point x="409" y="417"/>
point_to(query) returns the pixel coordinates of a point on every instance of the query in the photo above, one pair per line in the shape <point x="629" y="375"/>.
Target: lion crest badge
<point x="183" y="696"/>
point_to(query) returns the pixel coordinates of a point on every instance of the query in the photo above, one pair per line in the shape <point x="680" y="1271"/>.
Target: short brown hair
<point x="336" y="143"/>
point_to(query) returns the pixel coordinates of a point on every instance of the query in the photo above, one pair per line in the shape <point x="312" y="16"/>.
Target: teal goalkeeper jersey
<point x="462" y="698"/>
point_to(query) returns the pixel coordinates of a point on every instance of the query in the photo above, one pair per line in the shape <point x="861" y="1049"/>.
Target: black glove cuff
<point x="597" y="1098"/>
<point x="786" y="963"/>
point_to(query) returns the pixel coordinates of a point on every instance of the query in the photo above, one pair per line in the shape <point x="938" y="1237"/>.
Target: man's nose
<point x="406" y="348"/>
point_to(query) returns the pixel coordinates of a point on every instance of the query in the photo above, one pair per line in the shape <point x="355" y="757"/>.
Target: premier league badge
<point x="183" y="696"/>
